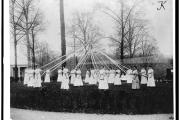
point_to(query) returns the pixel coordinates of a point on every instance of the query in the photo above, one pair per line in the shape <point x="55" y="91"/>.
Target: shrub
<point x="119" y="99"/>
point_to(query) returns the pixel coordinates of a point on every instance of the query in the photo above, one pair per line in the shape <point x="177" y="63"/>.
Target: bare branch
<point x="112" y="17"/>
<point x="20" y="38"/>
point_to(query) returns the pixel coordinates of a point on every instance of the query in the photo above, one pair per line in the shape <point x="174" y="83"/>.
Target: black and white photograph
<point x="91" y="59"/>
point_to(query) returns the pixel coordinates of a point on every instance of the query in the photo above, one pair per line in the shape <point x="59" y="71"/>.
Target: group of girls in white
<point x="32" y="78"/>
<point x="102" y="77"/>
<point x="146" y="76"/>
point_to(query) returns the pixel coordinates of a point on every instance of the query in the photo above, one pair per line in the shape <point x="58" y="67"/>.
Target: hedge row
<point x="88" y="99"/>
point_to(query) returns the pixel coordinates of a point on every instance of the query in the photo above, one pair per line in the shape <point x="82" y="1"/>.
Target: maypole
<point x="63" y="41"/>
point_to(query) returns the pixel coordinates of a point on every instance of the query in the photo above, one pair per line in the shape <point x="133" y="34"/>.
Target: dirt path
<point x="21" y="114"/>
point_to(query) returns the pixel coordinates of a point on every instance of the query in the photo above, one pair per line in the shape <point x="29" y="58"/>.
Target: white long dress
<point x="92" y="80"/>
<point x="117" y="80"/>
<point x="47" y="77"/>
<point x="37" y="78"/>
<point x="78" y="80"/>
<point x="96" y="76"/>
<point x="143" y="76"/>
<point x="106" y="75"/>
<point x="26" y="76"/>
<point x="111" y="76"/>
<point x="31" y="78"/>
<point x="87" y="77"/>
<point x="103" y="83"/>
<point x="129" y="76"/>
<point x="60" y="76"/>
<point x="73" y="76"/>
<point x="151" y="81"/>
<point x="135" y="81"/>
<point x="65" y="80"/>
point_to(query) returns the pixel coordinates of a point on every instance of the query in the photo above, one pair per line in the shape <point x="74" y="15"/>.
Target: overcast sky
<point x="161" y="21"/>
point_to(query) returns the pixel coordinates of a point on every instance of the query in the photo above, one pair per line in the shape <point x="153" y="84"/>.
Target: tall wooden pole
<point x="122" y="34"/>
<point x="63" y="41"/>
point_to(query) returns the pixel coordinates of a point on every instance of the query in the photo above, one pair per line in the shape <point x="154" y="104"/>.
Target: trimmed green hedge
<point x="88" y="99"/>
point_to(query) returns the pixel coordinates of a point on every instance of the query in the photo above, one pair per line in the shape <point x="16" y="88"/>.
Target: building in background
<point x="22" y="64"/>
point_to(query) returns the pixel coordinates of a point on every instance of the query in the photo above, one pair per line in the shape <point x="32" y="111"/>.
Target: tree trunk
<point x="15" y="47"/>
<point x="91" y="62"/>
<point x="33" y="51"/>
<point x="28" y="43"/>
<point x="15" y="57"/>
<point x="122" y="36"/>
<point x="63" y="41"/>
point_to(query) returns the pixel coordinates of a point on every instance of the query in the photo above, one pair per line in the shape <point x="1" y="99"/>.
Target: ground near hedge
<point x="88" y="99"/>
<point x="21" y="114"/>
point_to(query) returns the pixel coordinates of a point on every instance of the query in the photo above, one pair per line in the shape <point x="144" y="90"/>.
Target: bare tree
<point x="136" y="29"/>
<point x="15" y="18"/>
<point x="30" y="25"/>
<point x="35" y="28"/>
<point x="26" y="4"/>
<point x="121" y="21"/>
<point x="130" y="27"/>
<point x="26" y="22"/>
<point x="148" y="46"/>
<point x="44" y="54"/>
<point x="84" y="31"/>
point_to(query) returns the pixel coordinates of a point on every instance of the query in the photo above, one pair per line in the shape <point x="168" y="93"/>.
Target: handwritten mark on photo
<point x="161" y="5"/>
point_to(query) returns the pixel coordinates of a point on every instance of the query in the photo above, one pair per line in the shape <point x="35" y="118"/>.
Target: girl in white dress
<point x="38" y="78"/>
<point x="73" y="76"/>
<point x="106" y="77"/>
<point x="135" y="82"/>
<point x="96" y="76"/>
<point x="151" y="81"/>
<point x="31" y="78"/>
<point x="60" y="75"/>
<point x="103" y="83"/>
<point x="143" y="76"/>
<point x="111" y="76"/>
<point x="117" y="80"/>
<point x="92" y="81"/>
<point x="26" y="76"/>
<point x="87" y="77"/>
<point x="65" y="81"/>
<point x="47" y="77"/>
<point x="129" y="76"/>
<point x="78" y="80"/>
